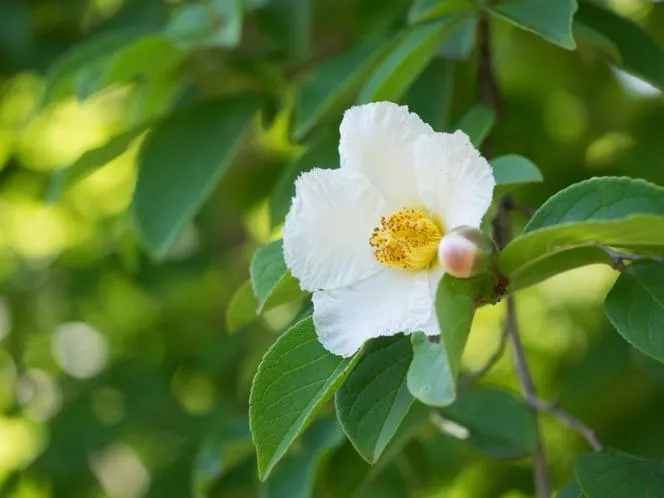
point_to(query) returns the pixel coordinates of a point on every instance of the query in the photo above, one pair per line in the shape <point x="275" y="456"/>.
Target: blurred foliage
<point x="118" y="374"/>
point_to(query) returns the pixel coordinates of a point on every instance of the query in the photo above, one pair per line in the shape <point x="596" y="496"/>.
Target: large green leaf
<point x="331" y="86"/>
<point x="513" y="169"/>
<point x="430" y="377"/>
<point x="273" y="284"/>
<point x="295" y="475"/>
<point x="222" y="450"/>
<point x="181" y="162"/>
<point x="295" y="377"/>
<point x="322" y="152"/>
<point x="89" y="162"/>
<point x="425" y="10"/>
<point x="638" y="52"/>
<point x="374" y="399"/>
<point x="477" y="123"/>
<point x="498" y="421"/>
<point x="403" y="65"/>
<point x="62" y="75"/>
<point x="552" y="20"/>
<point x="620" y="476"/>
<point x="563" y="234"/>
<point x="635" y="306"/>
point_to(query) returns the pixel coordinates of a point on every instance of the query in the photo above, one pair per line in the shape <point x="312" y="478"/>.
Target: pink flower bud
<point x="465" y="252"/>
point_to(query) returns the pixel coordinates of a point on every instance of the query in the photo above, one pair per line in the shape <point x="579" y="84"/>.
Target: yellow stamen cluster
<point x="406" y="239"/>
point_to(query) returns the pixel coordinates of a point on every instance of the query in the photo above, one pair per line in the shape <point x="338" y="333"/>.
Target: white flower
<point x="364" y="238"/>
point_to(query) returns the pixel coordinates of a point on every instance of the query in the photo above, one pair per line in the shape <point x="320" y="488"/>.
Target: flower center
<point x="406" y="239"/>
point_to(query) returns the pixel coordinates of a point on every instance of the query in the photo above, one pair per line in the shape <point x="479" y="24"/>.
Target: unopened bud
<point x="465" y="252"/>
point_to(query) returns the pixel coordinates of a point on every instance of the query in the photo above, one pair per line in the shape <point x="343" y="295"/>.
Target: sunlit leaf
<point x="638" y="52"/>
<point x="273" y="284"/>
<point x="635" y="306"/>
<point x="402" y="66"/>
<point x="620" y="476"/>
<point x="509" y="430"/>
<point x="180" y="163"/>
<point x="89" y="162"/>
<point x="374" y="399"/>
<point x="619" y="212"/>
<point x="513" y="169"/>
<point x="295" y="377"/>
<point x="552" y="20"/>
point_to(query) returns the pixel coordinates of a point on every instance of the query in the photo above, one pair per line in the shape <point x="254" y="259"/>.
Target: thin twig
<point x="472" y="377"/>
<point x="618" y="258"/>
<point x="489" y="94"/>
<point x="540" y="465"/>
<point x="570" y="421"/>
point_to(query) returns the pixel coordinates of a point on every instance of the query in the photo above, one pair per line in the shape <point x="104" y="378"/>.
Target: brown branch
<point x="570" y="421"/>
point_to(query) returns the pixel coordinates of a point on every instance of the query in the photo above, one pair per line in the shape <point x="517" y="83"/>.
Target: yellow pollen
<point x="406" y="239"/>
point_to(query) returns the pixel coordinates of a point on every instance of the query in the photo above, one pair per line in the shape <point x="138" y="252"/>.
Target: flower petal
<point x="455" y="182"/>
<point x="327" y="230"/>
<point x="378" y="140"/>
<point x="390" y="302"/>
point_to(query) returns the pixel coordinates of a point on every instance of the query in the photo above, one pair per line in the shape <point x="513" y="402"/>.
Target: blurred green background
<point x="118" y="375"/>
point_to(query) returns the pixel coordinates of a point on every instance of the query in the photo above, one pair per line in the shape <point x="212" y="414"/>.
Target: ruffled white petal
<point x="455" y="182"/>
<point x="378" y="140"/>
<point x="390" y="302"/>
<point x="327" y="230"/>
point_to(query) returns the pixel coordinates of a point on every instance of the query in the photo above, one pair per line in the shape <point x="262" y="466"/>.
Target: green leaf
<point x="330" y="87"/>
<point x="221" y="451"/>
<point x="215" y="23"/>
<point x="295" y="476"/>
<point x="430" y="377"/>
<point x="513" y="169"/>
<point x="181" y="162"/>
<point x="597" y="40"/>
<point x="635" y="307"/>
<point x="477" y="123"/>
<point x="322" y="152"/>
<point x="460" y="45"/>
<point x="405" y="63"/>
<point x="620" y="476"/>
<point x="294" y="379"/>
<point x="273" y="284"/>
<point x="639" y="54"/>
<point x="509" y="430"/>
<point x="241" y="308"/>
<point x="455" y="307"/>
<point x="552" y="20"/>
<point x="62" y="75"/>
<point x="430" y="97"/>
<point x="425" y="10"/>
<point x="89" y="162"/>
<point x="619" y="212"/>
<point x="572" y="490"/>
<point x="374" y="399"/>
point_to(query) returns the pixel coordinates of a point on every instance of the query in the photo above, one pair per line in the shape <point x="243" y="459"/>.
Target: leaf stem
<point x="618" y="258"/>
<point x="472" y="377"/>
